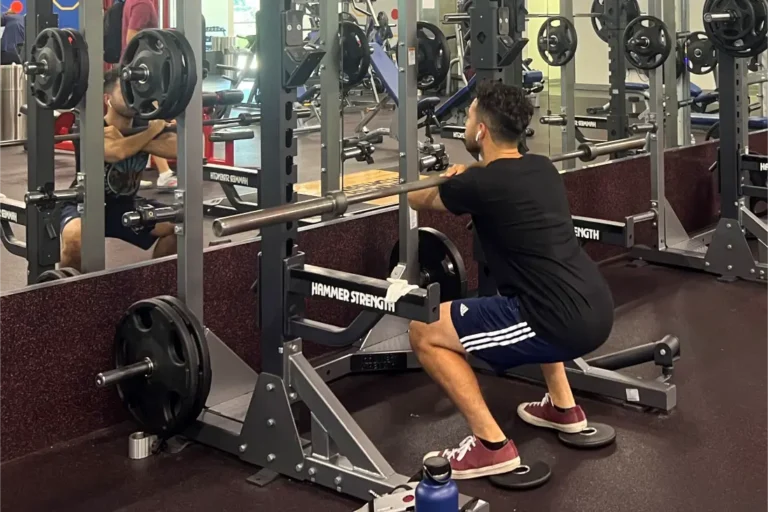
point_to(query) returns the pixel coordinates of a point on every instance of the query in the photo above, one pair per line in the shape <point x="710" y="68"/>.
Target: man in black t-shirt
<point x="125" y="158"/>
<point x="552" y="306"/>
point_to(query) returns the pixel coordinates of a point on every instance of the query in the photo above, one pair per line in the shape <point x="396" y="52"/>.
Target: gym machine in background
<point x="738" y="31"/>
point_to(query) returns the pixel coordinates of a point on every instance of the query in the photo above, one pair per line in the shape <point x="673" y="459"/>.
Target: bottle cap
<point x="437" y="469"/>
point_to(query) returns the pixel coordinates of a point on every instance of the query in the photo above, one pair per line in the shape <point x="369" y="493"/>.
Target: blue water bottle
<point x="437" y="492"/>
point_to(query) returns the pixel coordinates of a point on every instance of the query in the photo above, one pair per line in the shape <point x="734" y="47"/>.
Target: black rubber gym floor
<point x="707" y="455"/>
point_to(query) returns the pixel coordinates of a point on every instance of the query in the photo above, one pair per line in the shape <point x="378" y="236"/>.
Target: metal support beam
<point x="684" y="84"/>
<point x="617" y="70"/>
<point x="568" y="96"/>
<point x="667" y="13"/>
<point x="331" y="127"/>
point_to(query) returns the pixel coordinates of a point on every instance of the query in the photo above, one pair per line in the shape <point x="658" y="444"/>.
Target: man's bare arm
<point x="163" y="146"/>
<point x="426" y="199"/>
<point x="118" y="147"/>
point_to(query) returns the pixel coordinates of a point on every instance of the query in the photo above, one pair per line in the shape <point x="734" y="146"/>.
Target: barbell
<point x="336" y="203"/>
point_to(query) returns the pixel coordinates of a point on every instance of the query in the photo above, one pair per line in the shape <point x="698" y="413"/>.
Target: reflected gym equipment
<point x="433" y="56"/>
<point x="737" y="27"/>
<point x="557" y="41"/>
<point x="647" y="42"/>
<point x="597" y="14"/>
<point x="700" y="53"/>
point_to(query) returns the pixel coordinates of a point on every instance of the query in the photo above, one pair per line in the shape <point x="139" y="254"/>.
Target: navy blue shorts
<point x="494" y="330"/>
<point x="114" y="208"/>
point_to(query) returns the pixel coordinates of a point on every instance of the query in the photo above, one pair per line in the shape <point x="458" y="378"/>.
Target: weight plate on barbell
<point x="743" y="36"/>
<point x="439" y="262"/>
<point x="602" y="29"/>
<point x="190" y="73"/>
<point x="198" y="332"/>
<point x="557" y="41"/>
<point x="164" y="402"/>
<point x="152" y="74"/>
<point x="647" y="43"/>
<point x="433" y="60"/>
<point x="700" y="53"/>
<point x="53" y="74"/>
<point x="355" y="54"/>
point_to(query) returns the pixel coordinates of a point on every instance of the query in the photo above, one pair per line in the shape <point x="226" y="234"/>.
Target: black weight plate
<point x="348" y="17"/>
<point x="53" y="86"/>
<point x="189" y="79"/>
<point x="162" y="403"/>
<point x="598" y="22"/>
<point x="700" y="53"/>
<point x="713" y="132"/>
<point x="69" y="271"/>
<point x="82" y="67"/>
<point x="557" y="41"/>
<point x="355" y="54"/>
<point x="157" y="55"/>
<point x="596" y="435"/>
<point x="51" y="275"/>
<point x="440" y="262"/>
<point x="655" y="34"/>
<point x="744" y="36"/>
<point x="198" y="331"/>
<point x="523" y="477"/>
<point x="433" y="59"/>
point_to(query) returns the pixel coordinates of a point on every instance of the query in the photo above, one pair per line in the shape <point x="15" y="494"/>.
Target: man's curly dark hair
<point x="505" y="109"/>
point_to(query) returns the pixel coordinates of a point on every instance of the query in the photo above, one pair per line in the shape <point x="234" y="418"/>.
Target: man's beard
<point x="473" y="147"/>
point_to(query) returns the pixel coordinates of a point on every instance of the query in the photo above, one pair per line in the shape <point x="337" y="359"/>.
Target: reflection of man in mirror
<point x="137" y="16"/>
<point x="13" y="37"/>
<point x="125" y="158"/>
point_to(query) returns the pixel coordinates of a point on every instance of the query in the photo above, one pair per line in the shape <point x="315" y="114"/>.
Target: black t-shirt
<point x="520" y="212"/>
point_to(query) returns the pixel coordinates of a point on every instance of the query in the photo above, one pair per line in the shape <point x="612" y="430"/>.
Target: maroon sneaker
<point x="473" y="460"/>
<point x="544" y="414"/>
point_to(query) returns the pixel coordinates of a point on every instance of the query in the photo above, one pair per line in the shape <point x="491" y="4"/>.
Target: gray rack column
<point x="513" y="74"/>
<point x="91" y="176"/>
<point x="408" y="133"/>
<point x="684" y="84"/>
<point x="568" y="96"/>
<point x="668" y="15"/>
<point x="43" y="250"/>
<point x="617" y="70"/>
<point x="189" y="164"/>
<point x="331" y="126"/>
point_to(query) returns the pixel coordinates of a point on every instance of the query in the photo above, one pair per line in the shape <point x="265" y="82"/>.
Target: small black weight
<point x="596" y="435"/>
<point x="153" y="74"/>
<point x="523" y="477"/>
<point x="440" y="262"/>
<point x="355" y="54"/>
<point x="198" y="331"/>
<point x="557" y="41"/>
<point x="647" y="42"/>
<point x="700" y="53"/>
<point x="433" y="58"/>
<point x="164" y="402"/>
<point x="599" y="23"/>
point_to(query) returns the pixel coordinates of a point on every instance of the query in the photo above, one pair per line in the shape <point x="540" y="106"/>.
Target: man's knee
<point x="421" y="336"/>
<point x="71" y="240"/>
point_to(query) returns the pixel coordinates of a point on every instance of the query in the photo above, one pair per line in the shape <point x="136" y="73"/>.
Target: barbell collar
<point x="455" y="18"/>
<point x="718" y="16"/>
<point x="40" y="198"/>
<point x="553" y="120"/>
<point x="135" y="73"/>
<point x="131" y="371"/>
<point x="35" y="68"/>
<point x="643" y="128"/>
<point x="131" y="219"/>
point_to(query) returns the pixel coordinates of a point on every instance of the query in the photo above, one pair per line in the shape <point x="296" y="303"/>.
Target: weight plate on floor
<point x="189" y="70"/>
<point x="599" y="23"/>
<point x="198" y="331"/>
<point x="647" y="42"/>
<point x="52" y="275"/>
<point x="557" y="41"/>
<point x="164" y="402"/>
<point x="700" y="53"/>
<point x="433" y="59"/>
<point x="523" y="477"/>
<point x="69" y="271"/>
<point x="440" y="262"/>
<point x="152" y="74"/>
<point x="355" y="54"/>
<point x="81" y="65"/>
<point x="596" y="435"/>
<point x="51" y="68"/>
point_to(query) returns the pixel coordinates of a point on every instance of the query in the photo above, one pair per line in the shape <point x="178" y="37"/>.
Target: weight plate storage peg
<point x="53" y="69"/>
<point x="158" y="368"/>
<point x="700" y="53"/>
<point x="557" y="41"/>
<point x="596" y="435"/>
<point x="154" y="73"/>
<point x="647" y="42"/>
<point x="433" y="56"/>
<point x="440" y="262"/>
<point x="599" y="20"/>
<point x="737" y="27"/>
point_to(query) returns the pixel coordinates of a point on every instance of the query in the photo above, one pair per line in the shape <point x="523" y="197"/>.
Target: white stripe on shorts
<point x="478" y="335"/>
<point x="504" y="343"/>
